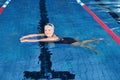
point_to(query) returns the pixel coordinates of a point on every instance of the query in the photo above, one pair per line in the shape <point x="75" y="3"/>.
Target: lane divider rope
<point x="103" y="25"/>
<point x="4" y="6"/>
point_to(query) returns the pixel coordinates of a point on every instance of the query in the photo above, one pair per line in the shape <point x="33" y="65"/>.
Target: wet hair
<point x="50" y="24"/>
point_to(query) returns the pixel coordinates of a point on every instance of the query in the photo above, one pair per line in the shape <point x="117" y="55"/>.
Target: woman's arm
<point x="31" y="35"/>
<point x="42" y="40"/>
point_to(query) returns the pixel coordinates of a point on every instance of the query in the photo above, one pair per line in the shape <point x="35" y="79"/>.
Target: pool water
<point x="22" y="17"/>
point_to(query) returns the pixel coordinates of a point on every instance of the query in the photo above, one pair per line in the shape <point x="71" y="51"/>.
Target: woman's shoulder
<point x="57" y="37"/>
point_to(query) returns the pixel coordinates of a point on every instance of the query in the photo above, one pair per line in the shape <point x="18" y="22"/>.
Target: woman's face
<point x="49" y="31"/>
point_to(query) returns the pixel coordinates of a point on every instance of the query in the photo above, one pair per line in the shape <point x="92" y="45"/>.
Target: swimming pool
<point x="71" y="20"/>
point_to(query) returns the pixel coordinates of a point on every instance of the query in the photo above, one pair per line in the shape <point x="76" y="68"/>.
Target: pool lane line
<point x="112" y="13"/>
<point x="103" y="25"/>
<point x="4" y="6"/>
<point x="43" y="18"/>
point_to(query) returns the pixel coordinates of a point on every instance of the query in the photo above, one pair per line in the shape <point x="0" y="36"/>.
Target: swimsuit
<point x="66" y="40"/>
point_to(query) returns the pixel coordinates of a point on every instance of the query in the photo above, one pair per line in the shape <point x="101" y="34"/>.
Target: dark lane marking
<point x="43" y="15"/>
<point x="44" y="19"/>
<point x="112" y="13"/>
<point x="45" y="56"/>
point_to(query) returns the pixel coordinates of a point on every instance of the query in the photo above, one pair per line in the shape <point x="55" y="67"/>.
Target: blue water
<point x="114" y="5"/>
<point x="70" y="19"/>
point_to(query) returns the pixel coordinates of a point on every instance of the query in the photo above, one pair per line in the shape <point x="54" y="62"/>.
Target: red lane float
<point x="4" y="6"/>
<point x="103" y="25"/>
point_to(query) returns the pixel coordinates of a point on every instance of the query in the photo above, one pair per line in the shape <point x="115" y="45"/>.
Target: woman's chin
<point x="49" y="36"/>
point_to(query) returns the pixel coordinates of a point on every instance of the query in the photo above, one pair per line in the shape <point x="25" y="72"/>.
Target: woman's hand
<point x="21" y="38"/>
<point x="27" y="40"/>
<point x="25" y="37"/>
<point x="24" y="41"/>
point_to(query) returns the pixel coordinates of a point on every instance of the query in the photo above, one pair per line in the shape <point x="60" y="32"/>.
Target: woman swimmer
<point x="51" y="37"/>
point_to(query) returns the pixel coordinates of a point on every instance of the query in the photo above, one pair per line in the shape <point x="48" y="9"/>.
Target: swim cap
<point x="50" y="24"/>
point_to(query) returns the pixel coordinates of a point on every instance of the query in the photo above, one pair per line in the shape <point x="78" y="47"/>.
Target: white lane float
<point x="4" y="6"/>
